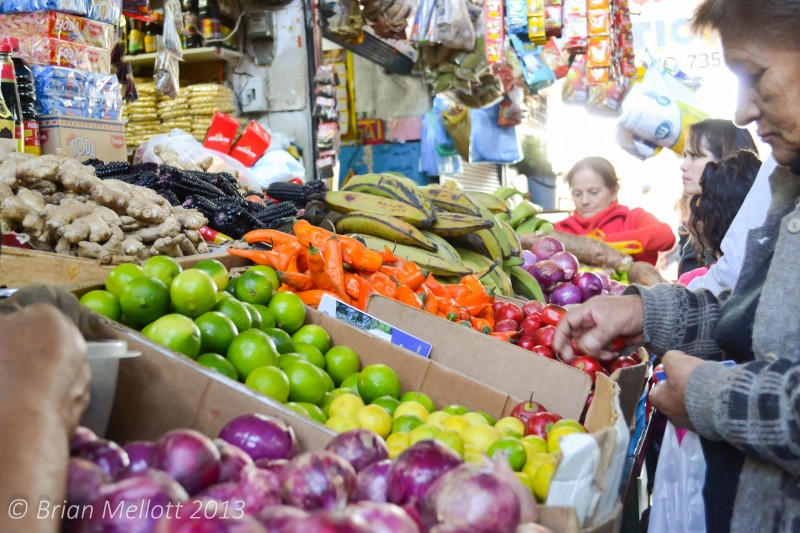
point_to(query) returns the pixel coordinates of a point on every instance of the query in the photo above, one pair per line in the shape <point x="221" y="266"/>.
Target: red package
<point x="251" y="145"/>
<point x="599" y="52"/>
<point x="599" y="23"/>
<point x="221" y="133"/>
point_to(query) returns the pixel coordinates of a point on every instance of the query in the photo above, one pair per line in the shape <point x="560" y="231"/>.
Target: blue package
<point x="76" y="93"/>
<point x="105" y="11"/>
<point x="78" y="7"/>
<point x="537" y="74"/>
<point x="517" y="16"/>
<point x="490" y="142"/>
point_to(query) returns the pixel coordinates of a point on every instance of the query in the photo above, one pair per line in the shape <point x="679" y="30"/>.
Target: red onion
<point x="318" y="480"/>
<point x="413" y="472"/>
<point x="84" y="480"/>
<point x="616" y="288"/>
<point x="605" y="278"/>
<point x="371" y="483"/>
<point x="381" y="518"/>
<point x="530" y="259"/>
<point x="566" y="294"/>
<point x="81" y="435"/>
<point x="278" y="518"/>
<point x="273" y="465"/>
<point x="547" y="273"/>
<point x="209" y="520"/>
<point x="232" y="461"/>
<point x="545" y="247"/>
<point x="567" y="262"/>
<point x="189" y="457"/>
<point x="261" y="436"/>
<point x="109" y="456"/>
<point x="589" y="283"/>
<point x="139" y="454"/>
<point x="360" y="447"/>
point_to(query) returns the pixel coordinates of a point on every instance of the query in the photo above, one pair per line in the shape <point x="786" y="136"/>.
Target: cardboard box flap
<point x="510" y="369"/>
<point x="559" y="519"/>
<point x="631" y="382"/>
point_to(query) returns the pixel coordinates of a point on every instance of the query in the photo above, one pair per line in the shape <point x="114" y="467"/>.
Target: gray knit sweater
<point x="755" y="406"/>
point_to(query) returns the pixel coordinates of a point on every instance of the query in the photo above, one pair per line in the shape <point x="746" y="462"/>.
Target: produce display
<point x="62" y="206"/>
<point x="253" y="478"/>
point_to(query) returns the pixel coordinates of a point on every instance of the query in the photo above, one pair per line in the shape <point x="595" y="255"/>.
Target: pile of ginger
<point x="58" y="205"/>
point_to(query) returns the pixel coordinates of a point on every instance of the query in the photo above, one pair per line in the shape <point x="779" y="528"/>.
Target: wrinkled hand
<point x="596" y="323"/>
<point x="669" y="396"/>
<point x="43" y="364"/>
<point x="65" y="301"/>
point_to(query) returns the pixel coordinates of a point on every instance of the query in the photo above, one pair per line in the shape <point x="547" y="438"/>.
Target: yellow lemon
<point x="345" y="405"/>
<point x="474" y="457"/>
<point x="511" y="423"/>
<point x="397" y="444"/>
<point x="476" y="419"/>
<point x="423" y="432"/>
<point x="437" y="417"/>
<point x="541" y="480"/>
<point x="456" y="423"/>
<point x="411" y="408"/>
<point x="341" y="423"/>
<point x="452" y="440"/>
<point x="533" y="464"/>
<point x="375" y="418"/>
<point x="537" y="443"/>
<point x="526" y="480"/>
<point x="481" y="437"/>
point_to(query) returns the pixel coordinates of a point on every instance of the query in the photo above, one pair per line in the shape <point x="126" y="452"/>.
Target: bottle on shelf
<point x="191" y="25"/>
<point x="10" y="113"/>
<point x="27" y="99"/>
<point x="135" y="37"/>
<point x="210" y="23"/>
<point x="152" y="29"/>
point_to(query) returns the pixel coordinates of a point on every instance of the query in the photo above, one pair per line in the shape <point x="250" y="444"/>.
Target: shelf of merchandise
<point x="192" y="55"/>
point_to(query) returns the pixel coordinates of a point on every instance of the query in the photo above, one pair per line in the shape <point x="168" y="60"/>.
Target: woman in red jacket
<point x="594" y="185"/>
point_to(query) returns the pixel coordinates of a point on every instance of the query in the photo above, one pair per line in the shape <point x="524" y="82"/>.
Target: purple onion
<point x="278" y="518"/>
<point x="372" y="482"/>
<point x="547" y="273"/>
<point x="221" y="492"/>
<point x="258" y="489"/>
<point x="189" y="457"/>
<point x="566" y="294"/>
<point x="381" y="518"/>
<point x="261" y="436"/>
<point x="273" y="465"/>
<point x="139" y="454"/>
<point x="567" y="262"/>
<point x="360" y="447"/>
<point x="415" y="470"/>
<point x="589" y="284"/>
<point x="470" y="496"/>
<point x="529" y="258"/>
<point x="209" y="520"/>
<point x="605" y="278"/>
<point x="109" y="456"/>
<point x="84" y="480"/>
<point x="81" y="435"/>
<point x="545" y="247"/>
<point x="616" y="288"/>
<point x="318" y="480"/>
<point x="232" y="461"/>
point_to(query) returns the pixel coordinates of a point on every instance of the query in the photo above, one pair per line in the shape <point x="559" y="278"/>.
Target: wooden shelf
<point x="192" y="55"/>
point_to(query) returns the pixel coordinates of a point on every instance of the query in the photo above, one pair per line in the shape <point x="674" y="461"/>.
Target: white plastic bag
<point x="678" y="486"/>
<point x="275" y="166"/>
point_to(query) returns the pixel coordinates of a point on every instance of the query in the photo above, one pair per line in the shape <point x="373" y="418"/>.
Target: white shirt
<point x="724" y="273"/>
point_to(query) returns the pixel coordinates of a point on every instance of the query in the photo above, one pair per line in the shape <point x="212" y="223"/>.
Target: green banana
<point x="504" y="193"/>
<point x="490" y="201"/>
<point x="503" y="285"/>
<point x="388" y="227"/>
<point x="529" y="226"/>
<point x="513" y="239"/>
<point x="391" y="186"/>
<point x="525" y="284"/>
<point x="348" y="201"/>
<point x="452" y="201"/>
<point x="499" y="234"/>
<point x="547" y="227"/>
<point x="502" y="216"/>
<point x="444" y="248"/>
<point x="480" y="264"/>
<point x="513" y="261"/>
<point x="455" y="224"/>
<point x="435" y="263"/>
<point x="483" y="242"/>
<point x="522" y="212"/>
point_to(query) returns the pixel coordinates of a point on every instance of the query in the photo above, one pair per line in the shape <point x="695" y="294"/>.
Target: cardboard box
<point x="251" y="145"/>
<point x="221" y="132"/>
<point x="83" y="138"/>
<point x="20" y="267"/>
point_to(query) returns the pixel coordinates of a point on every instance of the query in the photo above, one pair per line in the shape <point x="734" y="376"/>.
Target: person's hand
<point x="596" y="323"/>
<point x="669" y="396"/>
<point x="43" y="364"/>
<point x="65" y="301"/>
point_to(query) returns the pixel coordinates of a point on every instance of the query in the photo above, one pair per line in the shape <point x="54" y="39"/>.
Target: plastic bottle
<point x="210" y="22"/>
<point x="150" y="35"/>
<point x="191" y="25"/>
<point x="27" y="99"/>
<point x="10" y="114"/>
<point x="135" y="37"/>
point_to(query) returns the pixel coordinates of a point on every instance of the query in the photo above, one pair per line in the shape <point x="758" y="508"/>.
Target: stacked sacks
<point x="174" y="113"/>
<point x="204" y="99"/>
<point x="141" y="118"/>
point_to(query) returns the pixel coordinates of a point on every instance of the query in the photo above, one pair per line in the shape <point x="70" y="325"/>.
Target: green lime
<point x="297" y="408"/>
<point x="269" y="381"/>
<point x="267" y="318"/>
<point x="376" y="381"/>
<point x="176" y="332"/>
<point x="270" y="273"/>
<point x="217" y="331"/>
<point x="144" y="300"/>
<point x="221" y="295"/>
<point x="231" y="288"/>
<point x="285" y="358"/>
<point x="512" y="449"/>
<point x="406" y="423"/>
<point x="351" y="382"/>
<point x="253" y="287"/>
<point x="419" y="397"/>
<point x="251" y="349"/>
<point x="236" y="311"/>
<point x="311" y="354"/>
<point x="489" y="418"/>
<point x="388" y="403"/>
<point x="120" y="276"/>
<point x="282" y="340"/>
<point x="456" y="409"/>
<point x="216" y="362"/>
<point x="289" y="311"/>
<point x="102" y="302"/>
<point x="329" y="386"/>
<point x="341" y="362"/>
<point x="255" y="316"/>
<point x="193" y="293"/>
<point x="216" y="270"/>
<point x="162" y="267"/>
<point x="314" y="411"/>
<point x="314" y="335"/>
<point x="306" y="382"/>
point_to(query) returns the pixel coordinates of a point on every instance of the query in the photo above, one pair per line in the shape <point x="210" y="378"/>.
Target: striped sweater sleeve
<point x="676" y="318"/>
<point x="754" y="406"/>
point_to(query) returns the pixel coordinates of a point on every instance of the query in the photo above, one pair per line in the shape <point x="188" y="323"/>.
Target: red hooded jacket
<point x="619" y="223"/>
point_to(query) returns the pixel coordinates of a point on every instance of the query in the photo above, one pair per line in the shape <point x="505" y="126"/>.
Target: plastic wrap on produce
<point x="36" y="50"/>
<point x="75" y="93"/>
<point x="105" y="10"/>
<point x="61" y="26"/>
<point x="79" y="7"/>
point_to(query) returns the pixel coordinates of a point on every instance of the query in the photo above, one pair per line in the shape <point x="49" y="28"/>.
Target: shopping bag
<point x="677" y="503"/>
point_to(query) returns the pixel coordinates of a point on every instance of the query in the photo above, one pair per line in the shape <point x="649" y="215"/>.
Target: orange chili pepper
<point x="435" y="287"/>
<point x="300" y="282"/>
<point x="262" y="257"/>
<point x="272" y="237"/>
<point x="313" y="297"/>
<point x="333" y="265"/>
<point x="480" y="324"/>
<point x="474" y="298"/>
<point x="504" y="336"/>
<point x="393" y="271"/>
<point x="456" y="291"/>
<point x="388" y="256"/>
<point x="406" y="295"/>
<point x="383" y="284"/>
<point x="293" y="265"/>
<point x="430" y="303"/>
<point x="488" y="315"/>
<point x="285" y="288"/>
<point x="412" y="275"/>
<point x="359" y="255"/>
<point x="473" y="283"/>
<point x="308" y="234"/>
<point x="352" y="286"/>
<point x="363" y="293"/>
<point x="316" y="269"/>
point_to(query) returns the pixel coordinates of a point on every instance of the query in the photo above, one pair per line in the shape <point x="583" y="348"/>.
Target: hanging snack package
<point x="422" y="21"/>
<point x="517" y="16"/>
<point x="136" y="8"/>
<point x="347" y="21"/>
<point x="389" y="18"/>
<point x="454" y="27"/>
<point x="555" y="58"/>
<point x="512" y="108"/>
<point x="576" y="88"/>
<point x="576" y="29"/>
<point x="494" y="34"/>
<point x="166" y="71"/>
<point x="457" y="124"/>
<point x="553" y="18"/>
<point x="536" y="73"/>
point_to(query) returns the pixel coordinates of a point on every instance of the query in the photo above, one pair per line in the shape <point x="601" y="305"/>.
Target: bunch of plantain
<point x="466" y="75"/>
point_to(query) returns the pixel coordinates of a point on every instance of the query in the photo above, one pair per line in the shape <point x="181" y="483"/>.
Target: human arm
<point x="44" y="389"/>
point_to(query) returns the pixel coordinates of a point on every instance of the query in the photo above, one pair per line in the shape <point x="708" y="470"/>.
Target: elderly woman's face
<point x="769" y="93"/>
<point x="590" y="193"/>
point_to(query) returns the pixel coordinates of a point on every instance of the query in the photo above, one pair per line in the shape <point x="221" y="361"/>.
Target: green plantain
<point x="525" y="284"/>
<point x="436" y="263"/>
<point x="452" y="201"/>
<point x="490" y="201"/>
<point x="347" y="202"/>
<point x="388" y="227"/>
<point x="391" y="186"/>
<point x="456" y="224"/>
<point x="522" y="212"/>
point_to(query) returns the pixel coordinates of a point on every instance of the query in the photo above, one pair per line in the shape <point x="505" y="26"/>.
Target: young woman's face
<point x="693" y="166"/>
<point x="590" y="193"/>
